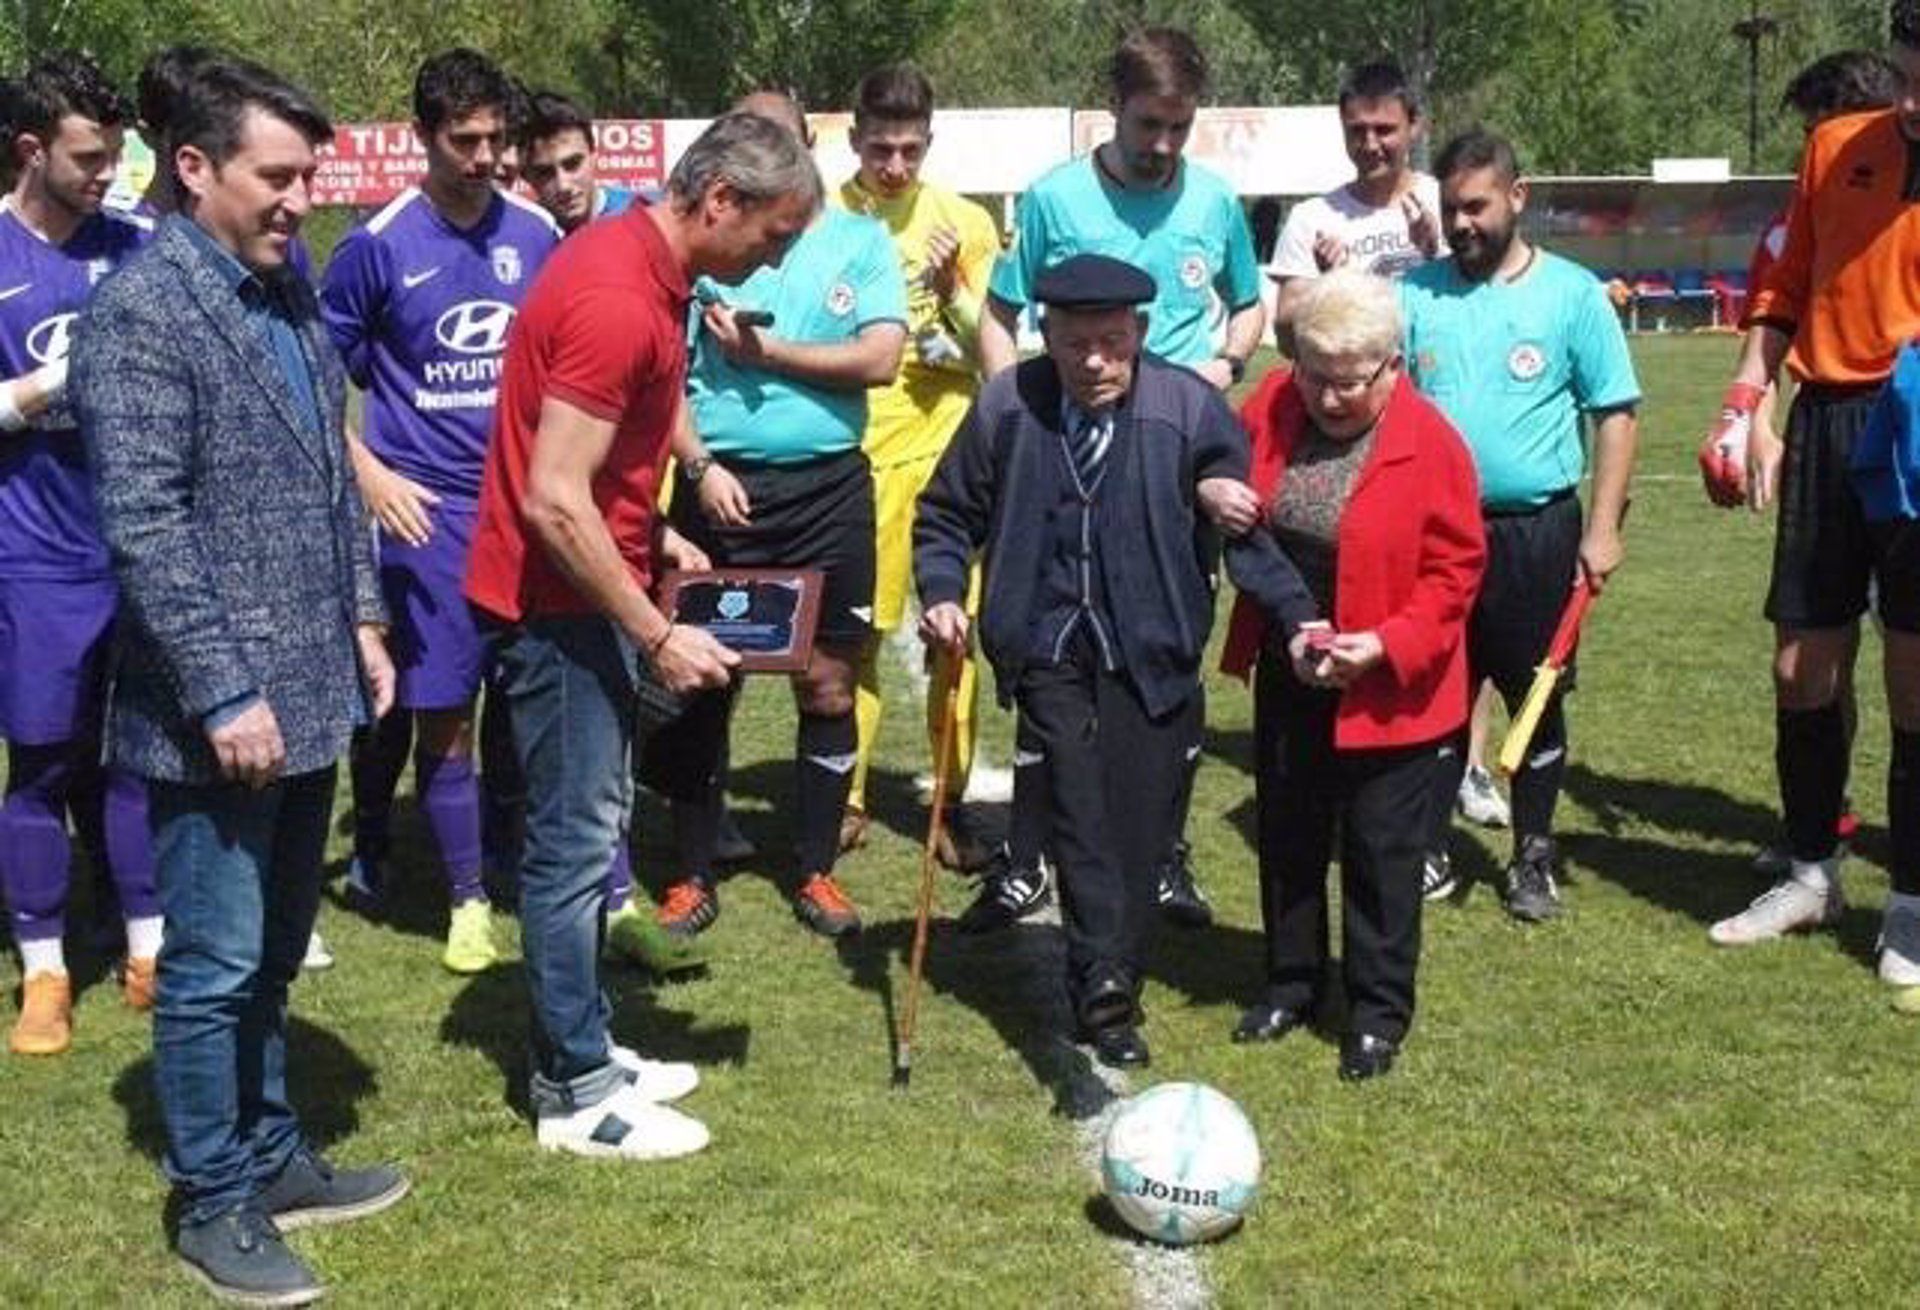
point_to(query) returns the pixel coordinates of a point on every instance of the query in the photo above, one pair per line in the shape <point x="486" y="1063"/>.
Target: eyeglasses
<point x="1312" y="379"/>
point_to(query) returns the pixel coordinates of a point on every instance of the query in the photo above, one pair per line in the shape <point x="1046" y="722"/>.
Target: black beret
<point x="1093" y="282"/>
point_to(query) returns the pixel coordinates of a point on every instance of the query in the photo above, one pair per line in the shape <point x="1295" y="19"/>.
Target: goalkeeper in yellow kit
<point x="947" y="245"/>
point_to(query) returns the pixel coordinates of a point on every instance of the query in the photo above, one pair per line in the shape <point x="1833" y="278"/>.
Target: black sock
<point x="824" y="751"/>
<point x="1536" y="787"/>
<point x="1903" y="811"/>
<point x="1810" y="752"/>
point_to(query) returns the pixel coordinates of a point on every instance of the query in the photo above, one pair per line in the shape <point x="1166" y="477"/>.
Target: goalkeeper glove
<point x="1723" y="455"/>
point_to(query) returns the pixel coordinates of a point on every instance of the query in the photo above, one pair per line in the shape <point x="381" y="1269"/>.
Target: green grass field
<point x="1604" y="1110"/>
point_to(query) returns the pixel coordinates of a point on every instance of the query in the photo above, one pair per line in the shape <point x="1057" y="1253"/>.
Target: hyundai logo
<point x="48" y="340"/>
<point x="475" y="327"/>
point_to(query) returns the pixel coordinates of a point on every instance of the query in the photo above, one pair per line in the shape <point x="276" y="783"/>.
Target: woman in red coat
<point x="1372" y="494"/>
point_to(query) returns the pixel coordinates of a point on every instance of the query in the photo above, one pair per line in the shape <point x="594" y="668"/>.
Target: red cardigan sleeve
<point x="1272" y="422"/>
<point x="1453" y="553"/>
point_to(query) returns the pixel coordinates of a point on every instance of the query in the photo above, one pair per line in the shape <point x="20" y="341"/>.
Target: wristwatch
<point x="1236" y="368"/>
<point x="695" y="469"/>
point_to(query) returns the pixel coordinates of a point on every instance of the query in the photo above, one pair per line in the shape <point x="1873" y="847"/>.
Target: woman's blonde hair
<point x="1347" y="312"/>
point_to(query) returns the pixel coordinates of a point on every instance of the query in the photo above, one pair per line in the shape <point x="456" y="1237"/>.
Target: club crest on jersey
<point x="1193" y="272"/>
<point x="475" y="327"/>
<point x="840" y="300"/>
<point x="506" y="264"/>
<point x="733" y="605"/>
<point x="1526" y="361"/>
<point x="47" y="342"/>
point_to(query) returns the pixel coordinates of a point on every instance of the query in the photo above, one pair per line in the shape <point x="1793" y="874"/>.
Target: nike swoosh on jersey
<point x="11" y="292"/>
<point x="412" y="280"/>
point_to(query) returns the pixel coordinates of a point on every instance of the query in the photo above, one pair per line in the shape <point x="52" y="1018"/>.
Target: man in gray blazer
<point x="251" y="646"/>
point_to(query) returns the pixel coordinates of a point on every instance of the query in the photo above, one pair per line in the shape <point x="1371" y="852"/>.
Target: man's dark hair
<point x="1380" y="80"/>
<point x="519" y="108"/>
<point x="1475" y="149"/>
<point x="1903" y="23"/>
<point x="458" y="82"/>
<point x="211" y="115"/>
<point x="57" y="84"/>
<point x="164" y="80"/>
<point x="897" y="93"/>
<point x="549" y="114"/>
<point x="1157" y="61"/>
<point x="1841" y="82"/>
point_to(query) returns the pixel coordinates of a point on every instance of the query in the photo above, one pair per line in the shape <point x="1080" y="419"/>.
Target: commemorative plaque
<point x="767" y="616"/>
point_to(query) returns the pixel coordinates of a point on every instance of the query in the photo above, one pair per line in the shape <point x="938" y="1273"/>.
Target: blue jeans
<point x="239" y="875"/>
<point x="570" y="689"/>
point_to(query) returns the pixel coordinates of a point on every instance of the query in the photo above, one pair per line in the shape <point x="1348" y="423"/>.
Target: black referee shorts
<point x="816" y="515"/>
<point x="1826" y="556"/>
<point x="1531" y="558"/>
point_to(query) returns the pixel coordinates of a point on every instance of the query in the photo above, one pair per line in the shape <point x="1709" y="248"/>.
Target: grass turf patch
<point x="1604" y="1109"/>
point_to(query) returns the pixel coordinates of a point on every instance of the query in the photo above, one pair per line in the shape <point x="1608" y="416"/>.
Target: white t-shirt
<point x="1377" y="239"/>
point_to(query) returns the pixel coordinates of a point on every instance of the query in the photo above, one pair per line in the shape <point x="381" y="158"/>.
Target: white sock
<point x="45" y="956"/>
<point x="143" y="937"/>
<point x="1819" y="875"/>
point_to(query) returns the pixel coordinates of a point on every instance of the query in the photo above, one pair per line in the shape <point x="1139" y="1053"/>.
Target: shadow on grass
<point x="1704" y="885"/>
<point x="326" y="1080"/>
<point x="490" y="1016"/>
<point x="1012" y="979"/>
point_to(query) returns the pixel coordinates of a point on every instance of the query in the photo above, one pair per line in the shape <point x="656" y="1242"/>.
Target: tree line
<point x="1583" y="86"/>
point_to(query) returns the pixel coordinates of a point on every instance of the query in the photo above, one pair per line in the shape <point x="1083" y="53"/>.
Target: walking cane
<point x="949" y="712"/>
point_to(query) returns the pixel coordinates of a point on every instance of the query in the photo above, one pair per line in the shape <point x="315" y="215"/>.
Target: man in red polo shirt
<point x="563" y="555"/>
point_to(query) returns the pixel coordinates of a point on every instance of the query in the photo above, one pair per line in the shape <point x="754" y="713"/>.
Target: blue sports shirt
<point x="838" y="277"/>
<point x="420" y="311"/>
<point x="1514" y="365"/>
<point x="1191" y="236"/>
<point x="49" y="528"/>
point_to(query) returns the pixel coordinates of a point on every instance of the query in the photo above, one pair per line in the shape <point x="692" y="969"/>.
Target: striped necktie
<point x="1089" y="436"/>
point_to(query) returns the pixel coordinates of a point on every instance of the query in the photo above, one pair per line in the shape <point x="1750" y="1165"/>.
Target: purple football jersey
<point x="420" y="310"/>
<point x="49" y="527"/>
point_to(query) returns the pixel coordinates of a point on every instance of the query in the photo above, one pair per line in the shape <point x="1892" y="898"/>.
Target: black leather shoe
<point x="1106" y="1001"/>
<point x="1121" y="1046"/>
<point x="1267" y="1023"/>
<point x="1363" y="1056"/>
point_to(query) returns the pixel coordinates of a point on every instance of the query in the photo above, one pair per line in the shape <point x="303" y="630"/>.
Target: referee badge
<point x="840" y="300"/>
<point x="506" y="264"/>
<point x="1193" y="272"/>
<point x="1526" y="361"/>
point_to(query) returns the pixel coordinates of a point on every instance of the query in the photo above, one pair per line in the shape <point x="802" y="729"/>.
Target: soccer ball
<point x="1180" y="1163"/>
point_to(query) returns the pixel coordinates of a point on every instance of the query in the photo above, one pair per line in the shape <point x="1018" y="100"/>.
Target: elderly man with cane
<point x="1084" y="476"/>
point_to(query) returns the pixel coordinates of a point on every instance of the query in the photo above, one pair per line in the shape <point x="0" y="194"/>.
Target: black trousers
<point x="1531" y="558"/>
<point x="1379" y="803"/>
<point x="1114" y="777"/>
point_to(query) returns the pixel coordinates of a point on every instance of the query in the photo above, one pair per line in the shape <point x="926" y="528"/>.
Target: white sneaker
<point x="730" y="845"/>
<point x="1480" y="801"/>
<point x="623" y="1127"/>
<point x="658" y="1081"/>
<point x="318" y="956"/>
<point x="1790" y="905"/>
<point x="1900" y="946"/>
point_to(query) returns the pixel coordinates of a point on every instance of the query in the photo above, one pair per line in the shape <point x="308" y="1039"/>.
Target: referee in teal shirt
<point x="1521" y="348"/>
<point x="772" y="475"/>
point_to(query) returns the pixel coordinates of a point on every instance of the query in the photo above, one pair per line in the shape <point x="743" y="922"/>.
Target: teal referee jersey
<point x="1191" y="236"/>
<point x="839" y="277"/>
<point x="1515" y="365"/>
